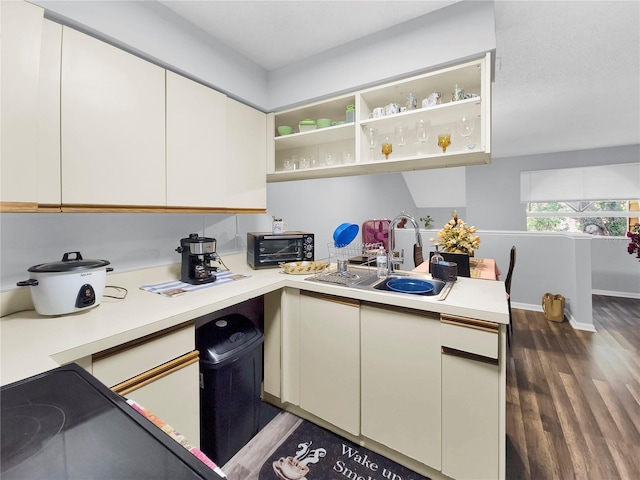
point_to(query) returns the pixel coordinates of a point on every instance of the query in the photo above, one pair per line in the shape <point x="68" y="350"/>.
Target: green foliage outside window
<point x="579" y="217"/>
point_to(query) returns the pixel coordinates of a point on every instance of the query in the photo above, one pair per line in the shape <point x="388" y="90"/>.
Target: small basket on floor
<point x="553" y="307"/>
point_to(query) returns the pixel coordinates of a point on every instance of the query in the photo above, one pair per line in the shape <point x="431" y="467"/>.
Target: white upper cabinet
<point x="384" y="115"/>
<point x="113" y="122"/>
<point x="49" y="191"/>
<point x="246" y="157"/>
<point x="196" y="144"/>
<point x="21" y="24"/>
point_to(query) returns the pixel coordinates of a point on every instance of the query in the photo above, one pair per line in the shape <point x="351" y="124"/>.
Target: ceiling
<point x="567" y="72"/>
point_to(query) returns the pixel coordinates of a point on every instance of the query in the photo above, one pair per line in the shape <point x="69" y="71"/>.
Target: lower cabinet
<point x="330" y="359"/>
<point x="427" y="386"/>
<point x="471" y="414"/>
<point x="401" y="381"/>
<point x="161" y="373"/>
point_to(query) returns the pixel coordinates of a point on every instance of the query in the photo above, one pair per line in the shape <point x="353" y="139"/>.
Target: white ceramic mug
<point x="278" y="227"/>
<point x="392" y="108"/>
<point x="378" y="112"/>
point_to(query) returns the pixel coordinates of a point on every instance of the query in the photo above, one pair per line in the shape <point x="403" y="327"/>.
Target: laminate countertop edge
<point x="31" y="343"/>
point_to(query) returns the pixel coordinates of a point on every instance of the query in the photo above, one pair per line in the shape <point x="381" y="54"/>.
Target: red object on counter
<point x="376" y="231"/>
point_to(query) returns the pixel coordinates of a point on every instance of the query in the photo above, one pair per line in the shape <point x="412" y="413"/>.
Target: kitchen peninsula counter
<point x="31" y="343"/>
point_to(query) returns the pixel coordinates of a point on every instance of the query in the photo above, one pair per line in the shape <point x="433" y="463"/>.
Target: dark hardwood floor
<point x="573" y="397"/>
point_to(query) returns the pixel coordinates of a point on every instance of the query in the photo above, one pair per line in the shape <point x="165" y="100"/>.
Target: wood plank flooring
<point x="573" y="397"/>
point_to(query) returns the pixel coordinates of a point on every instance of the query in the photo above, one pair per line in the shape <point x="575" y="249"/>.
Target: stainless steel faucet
<point x="396" y="258"/>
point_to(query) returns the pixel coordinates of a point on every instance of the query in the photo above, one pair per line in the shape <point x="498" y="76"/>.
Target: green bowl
<point x="323" y="122"/>
<point x="285" y="130"/>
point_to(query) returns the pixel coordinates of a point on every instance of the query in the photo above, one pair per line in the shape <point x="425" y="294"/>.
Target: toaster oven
<point x="265" y="250"/>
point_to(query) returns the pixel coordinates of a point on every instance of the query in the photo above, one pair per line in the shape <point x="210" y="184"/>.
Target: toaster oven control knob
<point x="308" y="255"/>
<point x="308" y="240"/>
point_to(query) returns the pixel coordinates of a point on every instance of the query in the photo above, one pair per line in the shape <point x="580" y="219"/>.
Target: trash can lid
<point x="227" y="338"/>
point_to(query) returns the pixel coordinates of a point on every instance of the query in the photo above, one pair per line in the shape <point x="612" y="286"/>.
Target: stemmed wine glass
<point x="465" y="128"/>
<point x="372" y="139"/>
<point x="422" y="133"/>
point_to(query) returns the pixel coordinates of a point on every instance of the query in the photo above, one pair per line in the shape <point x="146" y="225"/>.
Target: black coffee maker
<point x="198" y="255"/>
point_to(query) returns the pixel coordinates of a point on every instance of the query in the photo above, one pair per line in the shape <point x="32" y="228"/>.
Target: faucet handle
<point x="397" y="258"/>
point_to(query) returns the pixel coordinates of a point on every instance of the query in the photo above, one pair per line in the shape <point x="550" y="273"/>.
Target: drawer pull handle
<point x="156" y="373"/>
<point x="470" y="323"/>
<point x="468" y="356"/>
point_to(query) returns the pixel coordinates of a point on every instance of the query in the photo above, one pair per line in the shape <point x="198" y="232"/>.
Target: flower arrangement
<point x="634" y="244"/>
<point x="457" y="237"/>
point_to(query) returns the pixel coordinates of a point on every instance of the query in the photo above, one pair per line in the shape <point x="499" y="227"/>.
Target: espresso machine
<point x="198" y="257"/>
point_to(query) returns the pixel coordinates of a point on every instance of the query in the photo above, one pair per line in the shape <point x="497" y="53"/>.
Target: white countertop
<point x="31" y="343"/>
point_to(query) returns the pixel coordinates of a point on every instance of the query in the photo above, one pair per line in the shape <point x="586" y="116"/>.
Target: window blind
<point x="603" y="182"/>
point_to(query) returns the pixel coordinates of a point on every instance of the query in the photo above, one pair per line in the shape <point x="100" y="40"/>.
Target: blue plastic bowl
<point x="344" y="234"/>
<point x="410" y="285"/>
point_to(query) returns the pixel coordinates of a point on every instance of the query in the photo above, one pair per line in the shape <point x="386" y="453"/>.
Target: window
<point x="606" y="218"/>
<point x="599" y="200"/>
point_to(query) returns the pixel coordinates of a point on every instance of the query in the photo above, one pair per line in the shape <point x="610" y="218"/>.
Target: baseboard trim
<point x="585" y="327"/>
<point x="609" y="293"/>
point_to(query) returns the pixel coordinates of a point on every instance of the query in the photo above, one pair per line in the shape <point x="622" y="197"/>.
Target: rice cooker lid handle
<point x="69" y="264"/>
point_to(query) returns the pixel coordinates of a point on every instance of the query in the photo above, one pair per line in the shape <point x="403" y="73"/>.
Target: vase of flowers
<point x="457" y="237"/>
<point x="634" y="244"/>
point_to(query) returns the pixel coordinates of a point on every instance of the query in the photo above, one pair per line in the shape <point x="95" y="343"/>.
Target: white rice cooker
<point x="70" y="285"/>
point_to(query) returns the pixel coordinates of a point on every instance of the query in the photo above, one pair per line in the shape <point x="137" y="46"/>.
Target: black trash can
<point x="231" y="375"/>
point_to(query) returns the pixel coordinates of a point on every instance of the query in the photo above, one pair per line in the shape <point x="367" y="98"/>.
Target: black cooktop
<point x="65" y="424"/>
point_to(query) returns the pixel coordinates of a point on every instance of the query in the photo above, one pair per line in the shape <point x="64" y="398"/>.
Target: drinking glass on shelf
<point x="401" y="136"/>
<point x="330" y="159"/>
<point x="444" y="140"/>
<point x="422" y="133"/>
<point x="387" y="147"/>
<point x="347" y="157"/>
<point x="372" y="139"/>
<point x="465" y="128"/>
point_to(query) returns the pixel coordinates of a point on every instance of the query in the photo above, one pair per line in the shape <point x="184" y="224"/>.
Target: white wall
<point x="460" y="31"/>
<point x="128" y="241"/>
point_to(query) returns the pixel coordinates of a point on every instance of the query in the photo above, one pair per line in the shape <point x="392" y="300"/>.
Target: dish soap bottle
<point x="381" y="263"/>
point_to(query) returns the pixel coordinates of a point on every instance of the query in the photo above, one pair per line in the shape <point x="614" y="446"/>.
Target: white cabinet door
<point x="21" y="24"/>
<point x="113" y="123"/>
<point x="197" y="159"/>
<point x="330" y="360"/>
<point x="401" y="401"/>
<point x="161" y="374"/>
<point x="175" y="399"/>
<point x="272" y="382"/>
<point x="246" y="181"/>
<point x="472" y="417"/>
<point x="49" y="192"/>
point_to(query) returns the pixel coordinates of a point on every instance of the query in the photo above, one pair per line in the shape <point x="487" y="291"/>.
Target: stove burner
<point x="26" y="430"/>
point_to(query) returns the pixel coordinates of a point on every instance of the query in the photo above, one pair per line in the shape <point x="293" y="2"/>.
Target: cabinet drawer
<point x="477" y="337"/>
<point x="125" y="361"/>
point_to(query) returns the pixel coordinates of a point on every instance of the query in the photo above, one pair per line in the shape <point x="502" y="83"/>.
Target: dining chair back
<point x="461" y="259"/>
<point x="507" y="287"/>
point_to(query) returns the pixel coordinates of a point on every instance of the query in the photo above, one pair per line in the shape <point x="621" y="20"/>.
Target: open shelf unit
<point x="343" y="149"/>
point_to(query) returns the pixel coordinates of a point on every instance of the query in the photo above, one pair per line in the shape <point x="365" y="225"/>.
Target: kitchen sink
<point x="366" y="279"/>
